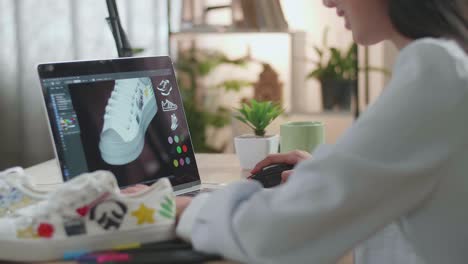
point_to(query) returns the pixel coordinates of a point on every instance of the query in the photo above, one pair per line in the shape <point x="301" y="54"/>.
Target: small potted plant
<point x="252" y="148"/>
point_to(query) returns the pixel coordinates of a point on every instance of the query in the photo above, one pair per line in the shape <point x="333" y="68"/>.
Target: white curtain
<point x="32" y="32"/>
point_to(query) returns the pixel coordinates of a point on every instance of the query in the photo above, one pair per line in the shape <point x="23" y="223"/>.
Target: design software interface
<point x="131" y="123"/>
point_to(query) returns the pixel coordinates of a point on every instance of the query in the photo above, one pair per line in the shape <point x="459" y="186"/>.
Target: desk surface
<point x="214" y="168"/>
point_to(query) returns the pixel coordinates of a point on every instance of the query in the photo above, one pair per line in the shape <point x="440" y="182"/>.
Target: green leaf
<point x="341" y="65"/>
<point x="234" y="85"/>
<point x="240" y="118"/>
<point x="319" y="52"/>
<point x="325" y="37"/>
<point x="258" y="115"/>
<point x="336" y="55"/>
<point x="352" y="52"/>
<point x="315" y="74"/>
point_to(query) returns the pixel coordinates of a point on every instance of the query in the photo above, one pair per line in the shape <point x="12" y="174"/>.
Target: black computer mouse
<point x="270" y="176"/>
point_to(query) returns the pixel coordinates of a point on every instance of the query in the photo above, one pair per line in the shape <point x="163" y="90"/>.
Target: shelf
<point x="222" y="31"/>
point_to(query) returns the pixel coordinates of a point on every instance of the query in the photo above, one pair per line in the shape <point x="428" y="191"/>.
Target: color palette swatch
<point x="181" y="162"/>
<point x="180" y="149"/>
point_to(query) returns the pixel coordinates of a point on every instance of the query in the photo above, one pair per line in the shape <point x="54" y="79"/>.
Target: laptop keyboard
<point x="196" y="192"/>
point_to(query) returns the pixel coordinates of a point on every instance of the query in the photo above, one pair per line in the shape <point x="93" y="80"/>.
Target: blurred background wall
<point x="34" y="31"/>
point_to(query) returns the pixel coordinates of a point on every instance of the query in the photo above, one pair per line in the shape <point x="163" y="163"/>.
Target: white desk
<point x="214" y="168"/>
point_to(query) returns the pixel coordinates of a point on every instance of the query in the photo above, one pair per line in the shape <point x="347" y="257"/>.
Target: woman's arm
<point x="385" y="166"/>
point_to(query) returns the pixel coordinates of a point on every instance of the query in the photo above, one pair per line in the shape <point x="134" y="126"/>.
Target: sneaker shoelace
<point x="120" y="97"/>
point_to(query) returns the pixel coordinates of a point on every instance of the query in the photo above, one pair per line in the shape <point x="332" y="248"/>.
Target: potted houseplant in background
<point x="252" y="148"/>
<point x="337" y="73"/>
<point x="192" y="65"/>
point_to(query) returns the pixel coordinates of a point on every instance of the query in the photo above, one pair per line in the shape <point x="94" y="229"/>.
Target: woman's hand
<point x="134" y="189"/>
<point x="182" y="202"/>
<point x="291" y="158"/>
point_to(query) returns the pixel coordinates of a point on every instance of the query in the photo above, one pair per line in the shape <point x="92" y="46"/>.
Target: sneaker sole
<point x="48" y="250"/>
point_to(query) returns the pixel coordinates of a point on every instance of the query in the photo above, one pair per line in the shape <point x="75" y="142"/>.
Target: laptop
<point x="122" y="115"/>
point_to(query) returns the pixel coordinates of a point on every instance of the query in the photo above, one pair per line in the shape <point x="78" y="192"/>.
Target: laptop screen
<point x="123" y="115"/>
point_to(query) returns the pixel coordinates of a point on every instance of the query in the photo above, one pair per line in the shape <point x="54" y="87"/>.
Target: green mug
<point x="301" y="135"/>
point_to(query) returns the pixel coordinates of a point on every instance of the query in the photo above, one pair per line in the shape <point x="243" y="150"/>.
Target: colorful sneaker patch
<point x="167" y="208"/>
<point x="74" y="227"/>
<point x="45" y="230"/>
<point x="108" y="214"/>
<point x="144" y="215"/>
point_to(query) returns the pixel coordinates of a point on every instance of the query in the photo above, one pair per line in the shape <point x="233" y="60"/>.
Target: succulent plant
<point x="258" y="115"/>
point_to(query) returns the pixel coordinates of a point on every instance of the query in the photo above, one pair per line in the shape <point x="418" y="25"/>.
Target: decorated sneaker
<point x="88" y="213"/>
<point x="16" y="191"/>
<point x="129" y="111"/>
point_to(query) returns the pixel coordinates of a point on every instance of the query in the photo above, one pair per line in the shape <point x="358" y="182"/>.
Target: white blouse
<point x="404" y="160"/>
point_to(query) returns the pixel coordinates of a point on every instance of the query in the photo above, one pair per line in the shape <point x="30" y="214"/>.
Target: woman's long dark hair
<point x="431" y="18"/>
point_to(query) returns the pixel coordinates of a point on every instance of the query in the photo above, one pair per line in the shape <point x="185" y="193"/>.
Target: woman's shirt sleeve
<point x="384" y="166"/>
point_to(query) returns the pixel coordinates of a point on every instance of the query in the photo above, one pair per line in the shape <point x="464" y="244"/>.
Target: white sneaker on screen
<point x="129" y="111"/>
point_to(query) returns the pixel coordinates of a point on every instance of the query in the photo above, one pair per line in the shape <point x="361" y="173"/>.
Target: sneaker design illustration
<point x="129" y="111"/>
<point x="16" y="191"/>
<point x="165" y="87"/>
<point x="168" y="106"/>
<point x="100" y="218"/>
<point x="174" y="122"/>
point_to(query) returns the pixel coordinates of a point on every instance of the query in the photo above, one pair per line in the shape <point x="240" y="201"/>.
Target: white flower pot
<point x="252" y="149"/>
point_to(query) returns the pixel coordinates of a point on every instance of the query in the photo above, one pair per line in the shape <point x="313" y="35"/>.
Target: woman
<point x="404" y="160"/>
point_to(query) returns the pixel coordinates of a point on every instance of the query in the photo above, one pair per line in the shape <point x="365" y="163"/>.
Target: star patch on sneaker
<point x="144" y="215"/>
